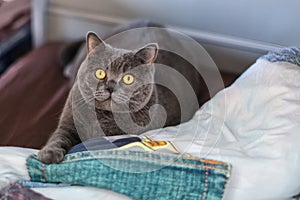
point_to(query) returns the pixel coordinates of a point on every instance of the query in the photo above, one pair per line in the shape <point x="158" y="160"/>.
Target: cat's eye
<point x="100" y="74"/>
<point x="128" y="79"/>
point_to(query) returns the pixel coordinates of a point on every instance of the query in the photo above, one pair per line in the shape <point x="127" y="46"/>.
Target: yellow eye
<point x="100" y="74"/>
<point x="128" y="79"/>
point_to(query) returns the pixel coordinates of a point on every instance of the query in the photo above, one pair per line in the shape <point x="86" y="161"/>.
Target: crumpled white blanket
<point x="255" y="125"/>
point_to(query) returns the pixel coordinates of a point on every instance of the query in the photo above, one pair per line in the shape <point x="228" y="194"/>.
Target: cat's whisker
<point x="83" y="101"/>
<point x="133" y="101"/>
<point x="84" y="104"/>
<point x="123" y="97"/>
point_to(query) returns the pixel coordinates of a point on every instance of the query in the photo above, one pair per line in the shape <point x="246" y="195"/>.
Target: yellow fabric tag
<point x="150" y="145"/>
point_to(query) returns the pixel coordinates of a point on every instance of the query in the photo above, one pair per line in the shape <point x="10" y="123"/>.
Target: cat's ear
<point x="148" y="53"/>
<point x="92" y="40"/>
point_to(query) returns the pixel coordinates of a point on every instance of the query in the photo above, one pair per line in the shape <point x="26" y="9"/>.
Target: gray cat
<point x="122" y="81"/>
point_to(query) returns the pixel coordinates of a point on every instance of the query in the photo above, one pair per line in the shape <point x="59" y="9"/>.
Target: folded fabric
<point x="125" y="142"/>
<point x="289" y="54"/>
<point x="103" y="143"/>
<point x="32" y="184"/>
<point x="15" y="191"/>
<point x="139" y="175"/>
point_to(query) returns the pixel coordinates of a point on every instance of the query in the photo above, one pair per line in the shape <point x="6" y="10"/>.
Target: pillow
<point x="254" y="124"/>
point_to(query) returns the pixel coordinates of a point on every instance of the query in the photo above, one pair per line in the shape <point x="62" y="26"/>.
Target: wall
<point x="270" y="21"/>
<point x="234" y="32"/>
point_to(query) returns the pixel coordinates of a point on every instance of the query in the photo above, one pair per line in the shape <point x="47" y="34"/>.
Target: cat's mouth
<point x="110" y="104"/>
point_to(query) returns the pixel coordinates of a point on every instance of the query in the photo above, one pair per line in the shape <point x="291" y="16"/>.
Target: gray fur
<point x="109" y="106"/>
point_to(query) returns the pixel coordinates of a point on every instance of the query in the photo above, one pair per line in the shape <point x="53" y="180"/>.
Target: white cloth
<point x="13" y="164"/>
<point x="254" y="125"/>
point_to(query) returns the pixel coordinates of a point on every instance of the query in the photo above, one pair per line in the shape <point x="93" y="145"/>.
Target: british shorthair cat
<point x="116" y="85"/>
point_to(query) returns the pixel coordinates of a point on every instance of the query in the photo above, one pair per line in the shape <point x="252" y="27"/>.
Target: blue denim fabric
<point x="139" y="175"/>
<point x="101" y="143"/>
<point x="289" y="54"/>
<point x="32" y="184"/>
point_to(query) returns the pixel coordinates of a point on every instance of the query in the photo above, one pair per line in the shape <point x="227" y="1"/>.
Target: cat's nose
<point x="110" y="86"/>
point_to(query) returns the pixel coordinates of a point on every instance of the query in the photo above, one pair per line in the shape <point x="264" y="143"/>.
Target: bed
<point x="251" y="126"/>
<point x="261" y="146"/>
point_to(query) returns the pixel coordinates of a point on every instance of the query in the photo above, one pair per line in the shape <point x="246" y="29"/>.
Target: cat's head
<point x="117" y="78"/>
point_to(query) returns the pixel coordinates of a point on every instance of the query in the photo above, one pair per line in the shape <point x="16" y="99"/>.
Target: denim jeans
<point x="102" y="143"/>
<point x="32" y="184"/>
<point x="137" y="174"/>
<point x="289" y="54"/>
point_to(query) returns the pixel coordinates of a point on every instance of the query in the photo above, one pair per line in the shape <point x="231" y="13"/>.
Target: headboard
<point x="70" y="20"/>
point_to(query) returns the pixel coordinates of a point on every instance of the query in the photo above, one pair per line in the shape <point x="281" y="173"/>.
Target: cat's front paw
<point x="51" y="155"/>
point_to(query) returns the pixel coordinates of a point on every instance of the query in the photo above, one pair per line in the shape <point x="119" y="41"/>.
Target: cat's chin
<point x="110" y="105"/>
<point x="103" y="105"/>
